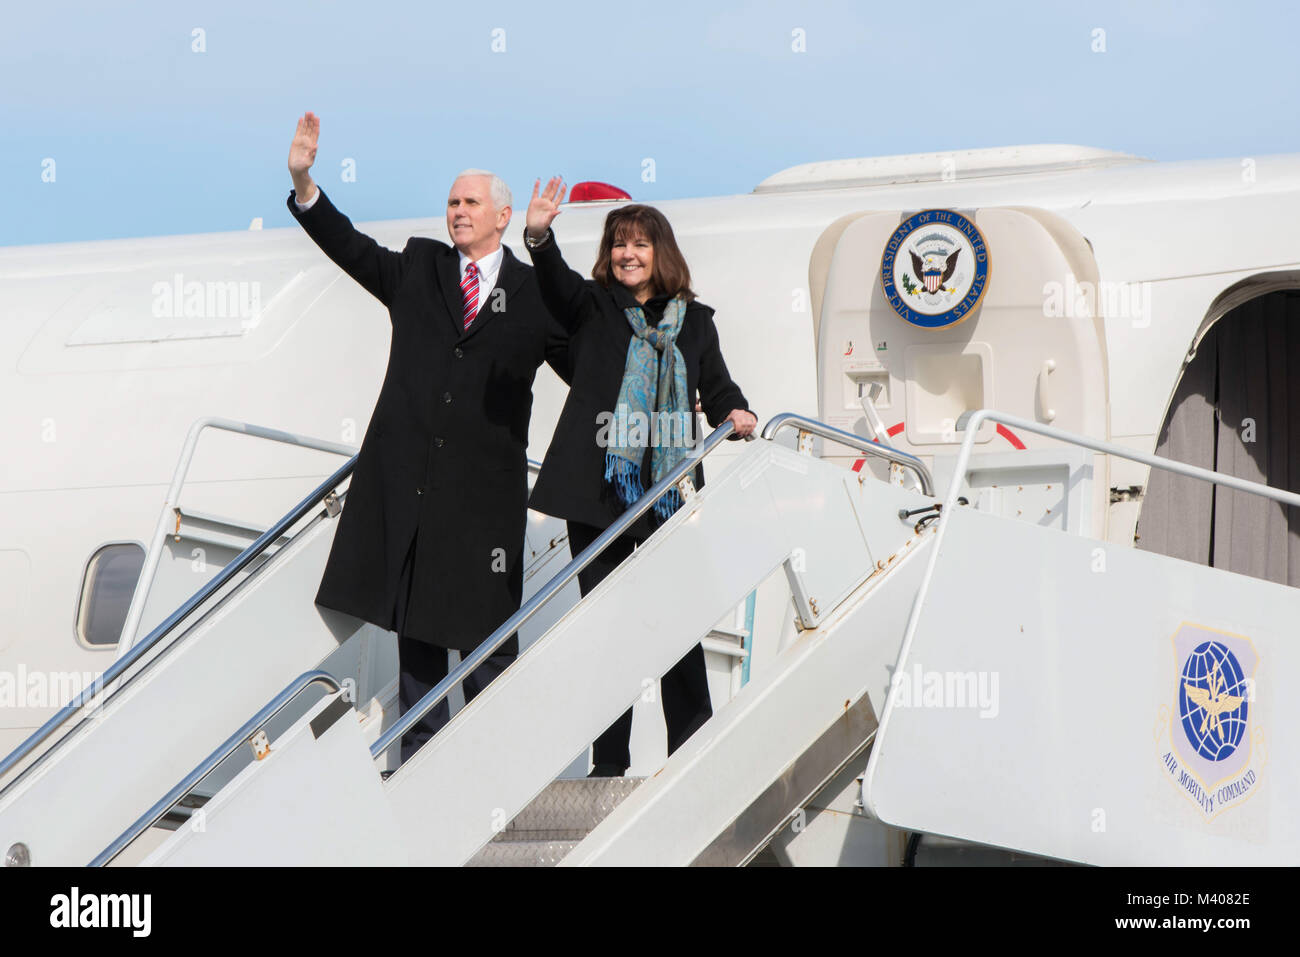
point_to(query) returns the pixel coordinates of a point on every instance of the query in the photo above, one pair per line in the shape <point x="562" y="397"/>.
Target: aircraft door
<point x="938" y="312"/>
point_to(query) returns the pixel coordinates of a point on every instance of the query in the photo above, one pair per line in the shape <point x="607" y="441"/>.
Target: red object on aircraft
<point x="590" y="191"/>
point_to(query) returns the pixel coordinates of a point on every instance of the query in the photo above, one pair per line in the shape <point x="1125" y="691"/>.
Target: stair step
<point x="555" y="822"/>
<point x="570" y="805"/>
<point x="522" y="854"/>
<point x="538" y="834"/>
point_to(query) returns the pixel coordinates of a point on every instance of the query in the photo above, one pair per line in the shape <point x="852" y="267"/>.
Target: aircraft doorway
<point x="1235" y="410"/>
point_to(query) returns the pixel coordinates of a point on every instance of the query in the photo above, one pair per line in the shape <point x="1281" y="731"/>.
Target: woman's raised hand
<point x="302" y="153"/>
<point x="543" y="209"/>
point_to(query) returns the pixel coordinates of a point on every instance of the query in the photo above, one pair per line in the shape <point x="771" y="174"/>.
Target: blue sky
<point x="149" y="137"/>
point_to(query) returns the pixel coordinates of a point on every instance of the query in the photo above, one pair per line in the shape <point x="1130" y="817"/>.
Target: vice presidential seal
<point x="935" y="268"/>
<point x="1211" y="748"/>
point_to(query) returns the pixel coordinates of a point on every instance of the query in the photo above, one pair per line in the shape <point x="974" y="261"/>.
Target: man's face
<point x="473" y="222"/>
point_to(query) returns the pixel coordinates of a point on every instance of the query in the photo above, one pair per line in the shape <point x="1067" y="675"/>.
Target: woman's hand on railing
<point x="543" y="209"/>
<point x="744" y="422"/>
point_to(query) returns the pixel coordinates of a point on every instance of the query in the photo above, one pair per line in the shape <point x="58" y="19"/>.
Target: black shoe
<point x="607" y="771"/>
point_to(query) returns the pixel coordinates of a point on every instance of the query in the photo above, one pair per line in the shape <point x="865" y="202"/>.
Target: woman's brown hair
<point x="669" y="272"/>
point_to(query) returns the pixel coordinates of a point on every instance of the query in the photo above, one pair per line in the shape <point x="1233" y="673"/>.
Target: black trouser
<point x="422" y="665"/>
<point x="685" y="688"/>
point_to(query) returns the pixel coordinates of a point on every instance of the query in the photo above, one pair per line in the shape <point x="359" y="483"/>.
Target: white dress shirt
<point x="488" y="267"/>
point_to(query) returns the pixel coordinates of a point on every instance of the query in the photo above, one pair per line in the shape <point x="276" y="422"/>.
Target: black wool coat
<point x="444" y="455"/>
<point x="571" y="483"/>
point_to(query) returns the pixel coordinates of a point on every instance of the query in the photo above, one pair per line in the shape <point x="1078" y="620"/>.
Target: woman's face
<point x="632" y="258"/>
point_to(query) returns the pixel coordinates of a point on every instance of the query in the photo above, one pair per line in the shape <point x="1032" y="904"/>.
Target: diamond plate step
<point x="522" y="853"/>
<point x="554" y="822"/>
<point x="572" y="805"/>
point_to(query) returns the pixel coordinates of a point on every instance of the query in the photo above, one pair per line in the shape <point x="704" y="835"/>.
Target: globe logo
<point x="1212" y="701"/>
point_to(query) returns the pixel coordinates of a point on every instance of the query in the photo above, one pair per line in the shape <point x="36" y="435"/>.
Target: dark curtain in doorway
<point x="1236" y="410"/>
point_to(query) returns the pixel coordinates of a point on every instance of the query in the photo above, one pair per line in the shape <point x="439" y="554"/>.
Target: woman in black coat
<point x="640" y="344"/>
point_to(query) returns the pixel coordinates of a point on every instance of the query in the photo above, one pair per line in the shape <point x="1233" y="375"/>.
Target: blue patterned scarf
<point x="653" y="410"/>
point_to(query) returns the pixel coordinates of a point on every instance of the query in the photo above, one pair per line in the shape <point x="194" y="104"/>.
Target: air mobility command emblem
<point x="1211" y="747"/>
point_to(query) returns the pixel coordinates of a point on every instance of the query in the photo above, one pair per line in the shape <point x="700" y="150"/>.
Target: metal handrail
<point x="804" y="424"/>
<point x="135" y="611"/>
<point x="548" y="591"/>
<point x="138" y="651"/>
<point x="209" y="764"/>
<point x="970" y="422"/>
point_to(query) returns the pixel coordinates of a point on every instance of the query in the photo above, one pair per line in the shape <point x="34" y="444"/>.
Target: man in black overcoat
<point x="430" y="543"/>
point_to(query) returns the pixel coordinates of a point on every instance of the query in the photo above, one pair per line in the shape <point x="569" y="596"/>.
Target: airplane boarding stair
<point x="1080" y="640"/>
<point x="835" y="535"/>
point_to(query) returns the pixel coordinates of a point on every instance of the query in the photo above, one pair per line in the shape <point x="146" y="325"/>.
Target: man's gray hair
<point x="500" y="191"/>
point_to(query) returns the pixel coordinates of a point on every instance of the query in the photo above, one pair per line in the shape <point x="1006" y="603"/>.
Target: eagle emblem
<point x="931" y="272"/>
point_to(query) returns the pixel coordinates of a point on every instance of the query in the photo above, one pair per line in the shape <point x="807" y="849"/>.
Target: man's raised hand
<point x="302" y="153"/>
<point x="543" y="209"/>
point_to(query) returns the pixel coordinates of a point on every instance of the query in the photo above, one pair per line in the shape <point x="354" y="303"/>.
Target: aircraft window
<point x="106" y="591"/>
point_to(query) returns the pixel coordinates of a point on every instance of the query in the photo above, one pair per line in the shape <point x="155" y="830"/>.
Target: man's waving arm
<point x="377" y="269"/>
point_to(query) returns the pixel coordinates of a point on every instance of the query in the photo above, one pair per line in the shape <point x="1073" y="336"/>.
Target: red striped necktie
<point x="469" y="293"/>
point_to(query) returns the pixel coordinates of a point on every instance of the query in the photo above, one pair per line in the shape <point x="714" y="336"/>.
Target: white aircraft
<point x="171" y="399"/>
